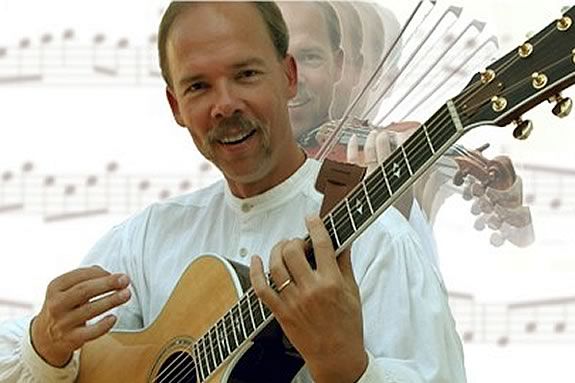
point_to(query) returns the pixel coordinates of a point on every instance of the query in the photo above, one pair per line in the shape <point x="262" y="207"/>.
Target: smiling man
<point x="378" y="316"/>
<point x="315" y="43"/>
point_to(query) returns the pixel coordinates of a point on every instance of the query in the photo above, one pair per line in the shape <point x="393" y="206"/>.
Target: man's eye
<point x="195" y="87"/>
<point x="311" y="59"/>
<point x="248" y="73"/>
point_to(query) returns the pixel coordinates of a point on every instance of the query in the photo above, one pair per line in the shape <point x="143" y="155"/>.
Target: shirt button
<point x="246" y="207"/>
<point x="243" y="252"/>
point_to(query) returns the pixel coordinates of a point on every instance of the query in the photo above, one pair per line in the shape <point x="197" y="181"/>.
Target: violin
<point x="492" y="185"/>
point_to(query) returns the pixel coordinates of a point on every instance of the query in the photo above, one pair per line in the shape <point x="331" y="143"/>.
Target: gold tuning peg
<point x="563" y="106"/>
<point x="523" y="129"/>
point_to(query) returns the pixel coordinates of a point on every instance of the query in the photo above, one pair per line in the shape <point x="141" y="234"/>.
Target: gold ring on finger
<point x="283" y="285"/>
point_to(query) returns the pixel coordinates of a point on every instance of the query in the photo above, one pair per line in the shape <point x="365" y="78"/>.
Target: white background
<point x="78" y="125"/>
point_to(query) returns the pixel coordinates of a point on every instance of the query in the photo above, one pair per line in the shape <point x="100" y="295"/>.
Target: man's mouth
<point x="237" y="138"/>
<point x="299" y="101"/>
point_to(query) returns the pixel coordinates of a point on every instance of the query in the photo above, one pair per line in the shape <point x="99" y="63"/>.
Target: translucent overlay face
<point x="319" y="67"/>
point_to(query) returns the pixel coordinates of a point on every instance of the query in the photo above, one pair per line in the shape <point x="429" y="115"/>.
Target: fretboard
<point x="372" y="196"/>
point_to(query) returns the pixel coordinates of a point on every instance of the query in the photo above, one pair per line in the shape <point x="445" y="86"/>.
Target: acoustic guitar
<point x="214" y="328"/>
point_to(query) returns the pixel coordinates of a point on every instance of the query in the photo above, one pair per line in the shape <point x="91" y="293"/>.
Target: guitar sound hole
<point x="179" y="367"/>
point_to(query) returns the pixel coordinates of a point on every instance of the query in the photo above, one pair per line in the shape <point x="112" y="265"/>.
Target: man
<point x="229" y="81"/>
<point x="352" y="39"/>
<point x="315" y="43"/>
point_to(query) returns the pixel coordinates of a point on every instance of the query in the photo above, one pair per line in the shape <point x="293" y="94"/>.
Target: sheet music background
<point x="100" y="127"/>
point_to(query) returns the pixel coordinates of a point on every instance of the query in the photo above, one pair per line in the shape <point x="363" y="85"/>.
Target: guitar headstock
<point x="536" y="71"/>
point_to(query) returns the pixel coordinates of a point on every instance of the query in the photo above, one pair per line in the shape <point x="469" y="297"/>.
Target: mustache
<point x="237" y="123"/>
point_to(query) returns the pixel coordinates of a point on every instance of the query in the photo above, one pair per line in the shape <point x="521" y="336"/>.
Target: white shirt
<point x="408" y="328"/>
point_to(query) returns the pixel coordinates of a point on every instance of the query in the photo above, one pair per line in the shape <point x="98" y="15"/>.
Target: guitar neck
<point x="372" y="196"/>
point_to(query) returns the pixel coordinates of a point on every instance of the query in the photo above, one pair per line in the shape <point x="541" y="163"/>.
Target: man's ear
<point x="174" y="106"/>
<point x="290" y="69"/>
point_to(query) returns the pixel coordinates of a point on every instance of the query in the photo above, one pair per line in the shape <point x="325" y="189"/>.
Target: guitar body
<point x="206" y="291"/>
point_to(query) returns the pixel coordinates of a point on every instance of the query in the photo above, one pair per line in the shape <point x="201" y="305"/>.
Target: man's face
<point x="230" y="90"/>
<point x="348" y="86"/>
<point x="319" y="66"/>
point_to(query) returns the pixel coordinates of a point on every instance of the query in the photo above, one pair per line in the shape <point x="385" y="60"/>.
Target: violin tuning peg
<point x="476" y="208"/>
<point x="497" y="239"/>
<point x="494" y="222"/>
<point x="478" y="190"/>
<point x="486" y="206"/>
<point x="523" y="129"/>
<point x="467" y="195"/>
<point x="458" y="178"/>
<point x="479" y="224"/>
<point x="563" y="106"/>
<point x="482" y="147"/>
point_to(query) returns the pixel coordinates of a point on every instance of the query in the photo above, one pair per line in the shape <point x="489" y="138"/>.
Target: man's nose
<point x="226" y="103"/>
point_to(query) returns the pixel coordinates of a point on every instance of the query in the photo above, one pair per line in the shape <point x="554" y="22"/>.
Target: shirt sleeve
<point x="408" y="327"/>
<point x="20" y="363"/>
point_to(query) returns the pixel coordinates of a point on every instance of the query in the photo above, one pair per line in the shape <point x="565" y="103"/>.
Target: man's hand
<point x="318" y="310"/>
<point x="71" y="300"/>
<point x="378" y="144"/>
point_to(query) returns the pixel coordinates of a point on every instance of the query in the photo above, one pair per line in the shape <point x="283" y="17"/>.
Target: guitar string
<point x="445" y="117"/>
<point x="246" y="298"/>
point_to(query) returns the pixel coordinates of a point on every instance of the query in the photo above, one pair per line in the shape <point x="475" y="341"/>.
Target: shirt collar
<point x="276" y="195"/>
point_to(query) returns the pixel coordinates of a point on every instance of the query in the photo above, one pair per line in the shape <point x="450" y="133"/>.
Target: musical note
<point x="536" y="321"/>
<point x="65" y="60"/>
<point x="65" y="197"/>
<point x="547" y="189"/>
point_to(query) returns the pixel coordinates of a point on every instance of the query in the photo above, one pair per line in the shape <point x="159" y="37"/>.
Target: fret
<point x="223" y="339"/>
<point x="351" y="215"/>
<point x="418" y="151"/>
<point x="204" y="358"/>
<point x="360" y="207"/>
<point x="397" y="171"/>
<point x="210" y="356"/>
<point x="406" y="160"/>
<point x="335" y="236"/>
<point x="231" y="333"/>
<point x="367" y="197"/>
<point x="250" y="316"/>
<point x="238" y="325"/>
<point x="218" y="357"/>
<point x="258" y="313"/>
<point x="343" y="226"/>
<point x="390" y="191"/>
<point x="266" y="313"/>
<point x="377" y="187"/>
<point x="424" y="127"/>
<point x="198" y="361"/>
